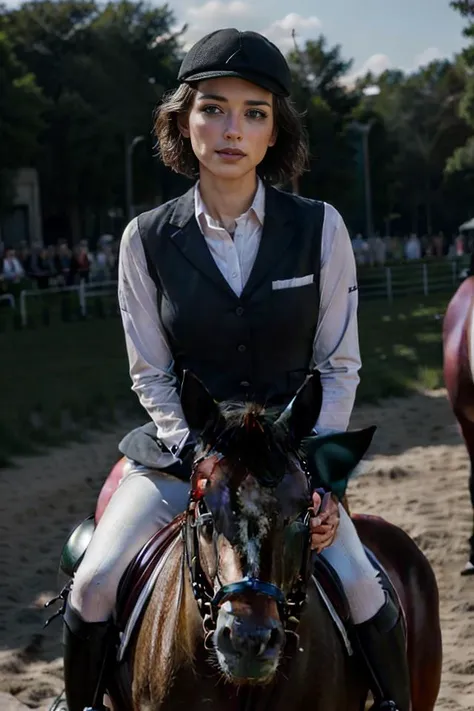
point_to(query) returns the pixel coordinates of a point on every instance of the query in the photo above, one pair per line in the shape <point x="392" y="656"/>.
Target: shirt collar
<point x="257" y="206"/>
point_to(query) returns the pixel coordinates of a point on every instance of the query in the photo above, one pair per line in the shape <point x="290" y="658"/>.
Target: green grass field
<point x="59" y="379"/>
<point x="401" y="346"/>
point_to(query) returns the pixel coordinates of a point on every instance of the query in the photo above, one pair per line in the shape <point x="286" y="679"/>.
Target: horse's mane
<point x="168" y="634"/>
<point x="252" y="438"/>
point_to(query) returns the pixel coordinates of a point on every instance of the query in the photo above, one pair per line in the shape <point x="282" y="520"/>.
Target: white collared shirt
<point x="234" y="255"/>
<point x="336" y="345"/>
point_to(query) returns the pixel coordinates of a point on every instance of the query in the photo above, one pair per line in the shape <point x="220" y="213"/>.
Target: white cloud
<point x="431" y="54"/>
<point x="215" y="14"/>
<point x="377" y="64"/>
<point x="280" y="32"/>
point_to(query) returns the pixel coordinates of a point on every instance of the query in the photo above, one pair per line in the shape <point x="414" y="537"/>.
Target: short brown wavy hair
<point x="285" y="160"/>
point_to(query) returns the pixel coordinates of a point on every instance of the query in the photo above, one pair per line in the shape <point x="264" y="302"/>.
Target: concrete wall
<point x="24" y="221"/>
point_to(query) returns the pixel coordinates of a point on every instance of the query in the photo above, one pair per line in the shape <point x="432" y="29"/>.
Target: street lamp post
<point x="129" y="148"/>
<point x="364" y="130"/>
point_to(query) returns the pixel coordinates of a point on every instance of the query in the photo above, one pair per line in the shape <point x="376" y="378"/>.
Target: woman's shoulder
<point x="163" y="211"/>
<point x="151" y="221"/>
<point x="305" y="204"/>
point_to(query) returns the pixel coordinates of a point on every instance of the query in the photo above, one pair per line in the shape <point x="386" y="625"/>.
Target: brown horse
<point x="458" y="361"/>
<point x="235" y="620"/>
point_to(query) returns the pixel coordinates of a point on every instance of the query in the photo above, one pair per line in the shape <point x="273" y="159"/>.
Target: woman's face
<point x="230" y="125"/>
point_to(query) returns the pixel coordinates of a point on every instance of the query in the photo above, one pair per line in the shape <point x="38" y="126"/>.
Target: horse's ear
<point x="333" y="458"/>
<point x="200" y="409"/>
<point x="301" y="415"/>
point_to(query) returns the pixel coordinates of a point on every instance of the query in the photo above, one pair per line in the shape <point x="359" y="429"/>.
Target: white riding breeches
<point x="144" y="502"/>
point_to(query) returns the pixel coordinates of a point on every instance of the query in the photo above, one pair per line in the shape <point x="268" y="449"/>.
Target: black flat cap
<point x="230" y="53"/>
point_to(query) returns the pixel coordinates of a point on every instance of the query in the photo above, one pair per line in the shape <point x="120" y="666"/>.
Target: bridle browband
<point x="290" y="606"/>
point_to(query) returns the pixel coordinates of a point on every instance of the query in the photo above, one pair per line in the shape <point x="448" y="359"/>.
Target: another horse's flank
<point x="416" y="586"/>
<point x="458" y="375"/>
<point x="235" y="621"/>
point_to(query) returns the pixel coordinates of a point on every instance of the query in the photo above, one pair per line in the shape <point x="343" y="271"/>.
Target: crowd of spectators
<point x="57" y="265"/>
<point x="60" y="265"/>
<point x="379" y="250"/>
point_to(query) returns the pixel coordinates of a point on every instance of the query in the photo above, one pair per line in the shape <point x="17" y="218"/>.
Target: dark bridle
<point x="290" y="605"/>
<point x="251" y="439"/>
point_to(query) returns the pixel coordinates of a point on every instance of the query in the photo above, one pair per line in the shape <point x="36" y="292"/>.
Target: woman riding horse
<point x="250" y="288"/>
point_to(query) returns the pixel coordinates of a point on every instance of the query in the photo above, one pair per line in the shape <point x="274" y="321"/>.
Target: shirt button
<point x="239" y="310"/>
<point x="234" y="275"/>
<point x="241" y="348"/>
<point x="245" y="384"/>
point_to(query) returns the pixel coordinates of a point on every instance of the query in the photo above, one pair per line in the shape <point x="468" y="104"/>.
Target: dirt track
<point x="417" y="479"/>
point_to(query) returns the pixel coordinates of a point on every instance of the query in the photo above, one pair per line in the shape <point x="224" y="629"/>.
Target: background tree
<point x="21" y="107"/>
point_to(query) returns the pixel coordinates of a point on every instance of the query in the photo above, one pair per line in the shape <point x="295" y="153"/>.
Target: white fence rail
<point x="409" y="279"/>
<point x="375" y="283"/>
<point x="84" y="292"/>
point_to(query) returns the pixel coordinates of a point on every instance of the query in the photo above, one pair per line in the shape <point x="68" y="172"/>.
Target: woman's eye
<point x="257" y="114"/>
<point x="212" y="110"/>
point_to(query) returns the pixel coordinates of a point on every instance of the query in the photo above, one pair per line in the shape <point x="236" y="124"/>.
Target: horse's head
<point x="247" y="527"/>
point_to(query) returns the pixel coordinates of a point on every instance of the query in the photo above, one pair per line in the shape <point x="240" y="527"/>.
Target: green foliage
<point x="327" y="105"/>
<point x="103" y="70"/>
<point x="81" y="79"/>
<point x="21" y="108"/>
<point x="418" y="126"/>
<point x="460" y="166"/>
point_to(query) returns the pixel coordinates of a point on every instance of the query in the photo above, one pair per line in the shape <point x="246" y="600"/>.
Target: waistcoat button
<point x="239" y="310"/>
<point x="241" y="348"/>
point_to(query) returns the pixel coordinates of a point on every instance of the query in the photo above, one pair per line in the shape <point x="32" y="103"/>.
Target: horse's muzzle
<point x="248" y="649"/>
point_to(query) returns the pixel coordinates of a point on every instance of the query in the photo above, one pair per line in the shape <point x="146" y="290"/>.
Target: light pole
<point x="129" y="148"/>
<point x="364" y="130"/>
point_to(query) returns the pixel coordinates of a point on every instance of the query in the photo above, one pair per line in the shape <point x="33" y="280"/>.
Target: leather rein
<point x="290" y="605"/>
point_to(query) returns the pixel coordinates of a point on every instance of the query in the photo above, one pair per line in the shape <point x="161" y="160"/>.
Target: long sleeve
<point x="149" y="355"/>
<point x="336" y="353"/>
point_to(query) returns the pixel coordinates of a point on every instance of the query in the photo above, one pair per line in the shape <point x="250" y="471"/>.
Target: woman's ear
<point x="183" y="125"/>
<point x="273" y="137"/>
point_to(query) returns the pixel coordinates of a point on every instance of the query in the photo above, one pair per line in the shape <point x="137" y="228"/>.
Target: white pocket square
<point x="291" y="283"/>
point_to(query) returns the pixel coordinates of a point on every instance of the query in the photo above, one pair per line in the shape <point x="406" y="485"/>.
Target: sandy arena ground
<point x="417" y="478"/>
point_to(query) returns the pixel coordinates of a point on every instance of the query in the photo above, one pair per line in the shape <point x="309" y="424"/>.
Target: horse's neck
<point x="170" y="630"/>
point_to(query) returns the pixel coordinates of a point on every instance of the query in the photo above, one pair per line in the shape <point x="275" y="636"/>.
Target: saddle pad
<point x="141" y="601"/>
<point x="140" y="569"/>
<point x="341" y="627"/>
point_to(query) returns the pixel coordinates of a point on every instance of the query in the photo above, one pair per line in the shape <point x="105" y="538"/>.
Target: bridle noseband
<point x="290" y="606"/>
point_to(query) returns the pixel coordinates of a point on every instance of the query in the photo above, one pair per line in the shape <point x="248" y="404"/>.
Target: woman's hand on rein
<point x="324" y="523"/>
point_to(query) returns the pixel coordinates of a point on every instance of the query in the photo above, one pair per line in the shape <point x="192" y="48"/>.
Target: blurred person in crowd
<point x="438" y="245"/>
<point x="81" y="262"/>
<point x="12" y="270"/>
<point x="64" y="264"/>
<point x="459" y="245"/>
<point x="104" y="263"/>
<point x="396" y="248"/>
<point x="380" y="250"/>
<point x="412" y="248"/>
<point x="360" y="249"/>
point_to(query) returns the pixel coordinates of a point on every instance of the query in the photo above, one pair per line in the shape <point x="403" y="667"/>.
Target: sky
<point x="375" y="34"/>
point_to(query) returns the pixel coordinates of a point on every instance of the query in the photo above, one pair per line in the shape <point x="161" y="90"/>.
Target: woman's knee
<point x="94" y="593"/>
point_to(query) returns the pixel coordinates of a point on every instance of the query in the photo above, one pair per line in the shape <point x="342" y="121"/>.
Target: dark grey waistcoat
<point x="257" y="346"/>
